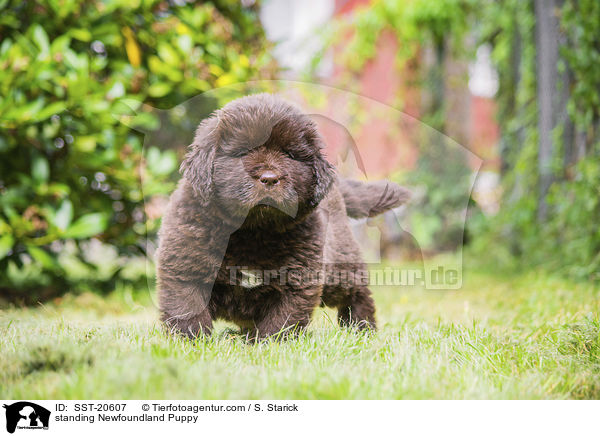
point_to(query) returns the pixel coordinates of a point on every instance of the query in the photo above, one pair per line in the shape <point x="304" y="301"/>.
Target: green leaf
<point x="117" y="91"/>
<point x="41" y="256"/>
<point x="52" y="109"/>
<point x="85" y="143"/>
<point x="64" y="215"/>
<point x="81" y="34"/>
<point x="41" y="39"/>
<point x="86" y="226"/>
<point x="159" y="89"/>
<point x="168" y="54"/>
<point x="6" y="244"/>
<point x="60" y="44"/>
<point x="40" y="170"/>
<point x="161" y="164"/>
<point x="25" y="112"/>
<point x="126" y="106"/>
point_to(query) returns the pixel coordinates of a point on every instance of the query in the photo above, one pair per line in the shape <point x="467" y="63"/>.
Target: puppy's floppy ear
<point x="324" y="174"/>
<point x="198" y="163"/>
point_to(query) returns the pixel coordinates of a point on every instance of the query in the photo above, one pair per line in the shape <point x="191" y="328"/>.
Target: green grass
<point x="528" y="336"/>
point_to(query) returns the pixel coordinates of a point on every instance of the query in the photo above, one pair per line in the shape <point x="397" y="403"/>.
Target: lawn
<point x="502" y="336"/>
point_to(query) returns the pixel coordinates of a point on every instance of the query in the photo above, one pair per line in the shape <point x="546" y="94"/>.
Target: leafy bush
<point x="71" y="204"/>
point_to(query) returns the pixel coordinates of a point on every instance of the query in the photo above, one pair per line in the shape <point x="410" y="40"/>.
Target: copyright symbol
<point x="145" y="407"/>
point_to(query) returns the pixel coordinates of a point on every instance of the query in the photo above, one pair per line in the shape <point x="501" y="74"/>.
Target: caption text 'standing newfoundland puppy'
<point x="257" y="231"/>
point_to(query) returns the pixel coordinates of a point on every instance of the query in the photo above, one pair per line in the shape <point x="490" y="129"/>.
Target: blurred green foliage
<point x="568" y="240"/>
<point x="415" y="24"/>
<point x="72" y="210"/>
<point x="437" y="215"/>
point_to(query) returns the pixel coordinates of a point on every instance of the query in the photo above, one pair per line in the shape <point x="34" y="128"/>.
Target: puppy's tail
<point x="367" y="199"/>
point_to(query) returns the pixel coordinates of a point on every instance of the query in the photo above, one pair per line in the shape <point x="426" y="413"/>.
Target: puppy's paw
<point x="191" y="327"/>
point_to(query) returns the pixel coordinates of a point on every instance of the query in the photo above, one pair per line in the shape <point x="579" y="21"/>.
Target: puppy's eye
<point x="298" y="154"/>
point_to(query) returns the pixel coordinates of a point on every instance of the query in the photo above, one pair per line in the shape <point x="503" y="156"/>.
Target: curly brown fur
<point x="256" y="192"/>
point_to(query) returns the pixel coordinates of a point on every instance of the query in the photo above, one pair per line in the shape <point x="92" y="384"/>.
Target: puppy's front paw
<point x="189" y="326"/>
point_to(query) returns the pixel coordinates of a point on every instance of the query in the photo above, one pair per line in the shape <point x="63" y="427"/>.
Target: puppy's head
<point x="259" y="157"/>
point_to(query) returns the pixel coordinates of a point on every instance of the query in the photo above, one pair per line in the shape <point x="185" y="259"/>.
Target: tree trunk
<point x="547" y="35"/>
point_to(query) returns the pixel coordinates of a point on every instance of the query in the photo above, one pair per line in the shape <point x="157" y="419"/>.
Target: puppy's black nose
<point x="269" y="178"/>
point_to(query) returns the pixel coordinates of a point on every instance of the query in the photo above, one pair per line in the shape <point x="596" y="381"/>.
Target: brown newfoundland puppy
<point x="257" y="231"/>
